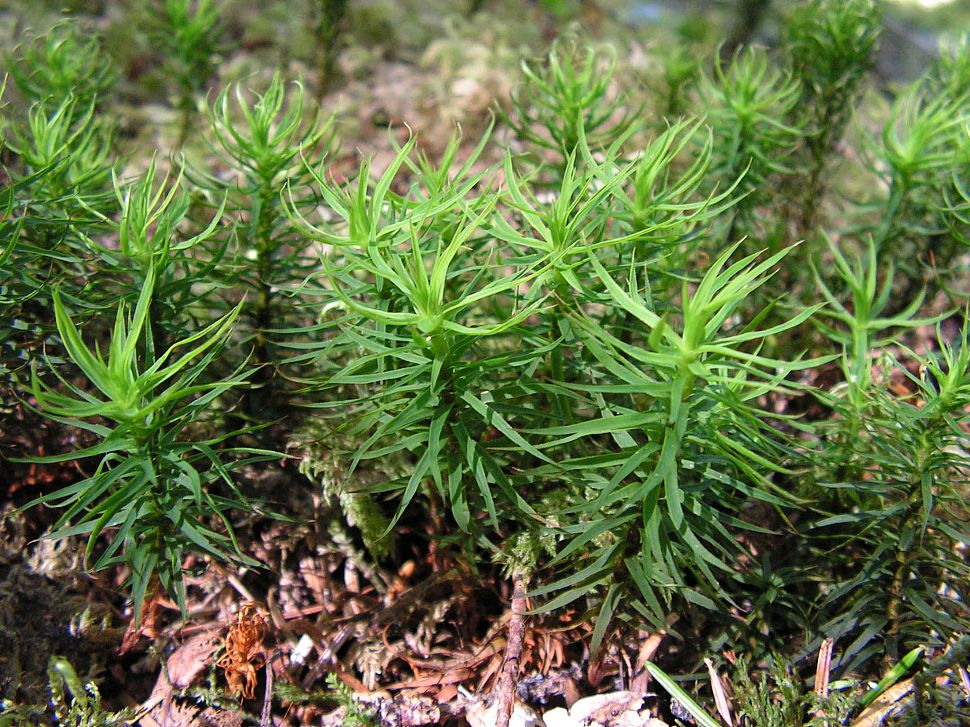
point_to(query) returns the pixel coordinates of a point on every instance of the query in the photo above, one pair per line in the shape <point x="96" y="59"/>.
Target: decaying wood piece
<point x="892" y="701"/>
<point x="616" y="709"/>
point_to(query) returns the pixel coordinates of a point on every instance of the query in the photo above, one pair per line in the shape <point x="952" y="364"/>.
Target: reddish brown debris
<point x="245" y="653"/>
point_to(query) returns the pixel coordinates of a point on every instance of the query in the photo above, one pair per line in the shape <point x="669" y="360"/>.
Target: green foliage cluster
<point x="60" y="64"/>
<point x="748" y="105"/>
<point x="568" y="96"/>
<point x="597" y="350"/>
<point x="355" y="714"/>
<point x="73" y="703"/>
<point x="188" y="33"/>
<point x="831" y="48"/>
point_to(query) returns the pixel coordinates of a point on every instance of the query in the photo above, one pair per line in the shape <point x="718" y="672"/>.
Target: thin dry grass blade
<point x="721" y="700"/>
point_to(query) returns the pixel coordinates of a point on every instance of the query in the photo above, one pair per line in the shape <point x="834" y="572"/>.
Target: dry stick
<point x="822" y="669"/>
<point x="266" y="719"/>
<point x="888" y="702"/>
<point x="513" y="651"/>
<point x="239" y="587"/>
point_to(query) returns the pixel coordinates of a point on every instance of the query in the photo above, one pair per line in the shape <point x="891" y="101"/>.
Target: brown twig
<point x="822" y="668"/>
<point x="822" y="672"/>
<point x="266" y="718"/>
<point x="505" y="689"/>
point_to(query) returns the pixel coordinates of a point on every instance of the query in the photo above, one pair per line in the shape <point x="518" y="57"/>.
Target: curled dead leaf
<point x="245" y="653"/>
